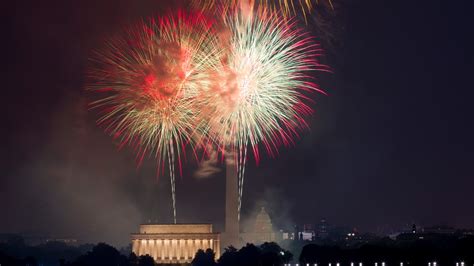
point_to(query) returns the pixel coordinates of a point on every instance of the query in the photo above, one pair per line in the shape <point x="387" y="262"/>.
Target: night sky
<point x="392" y="144"/>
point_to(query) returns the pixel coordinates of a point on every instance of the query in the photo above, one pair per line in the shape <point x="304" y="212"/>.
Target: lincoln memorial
<point x="174" y="243"/>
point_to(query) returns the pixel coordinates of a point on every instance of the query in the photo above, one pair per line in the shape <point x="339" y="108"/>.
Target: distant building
<point x="65" y="240"/>
<point x="174" y="243"/>
<point x="262" y="230"/>
<point x="322" y="229"/>
<point x="466" y="232"/>
<point x="30" y="240"/>
<point x="6" y="238"/>
<point x="285" y="235"/>
<point x="307" y="234"/>
<point x="440" y="229"/>
<point x="308" y="228"/>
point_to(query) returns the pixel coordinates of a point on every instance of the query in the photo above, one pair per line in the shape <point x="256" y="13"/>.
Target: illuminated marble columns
<point x="176" y="243"/>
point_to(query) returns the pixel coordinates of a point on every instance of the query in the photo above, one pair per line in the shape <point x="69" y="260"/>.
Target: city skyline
<point x="390" y="145"/>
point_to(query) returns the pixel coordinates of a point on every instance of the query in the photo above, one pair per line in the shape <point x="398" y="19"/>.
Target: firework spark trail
<point x="287" y="8"/>
<point x="148" y="83"/>
<point x="241" y="175"/>
<point x="172" y="179"/>
<point x="263" y="84"/>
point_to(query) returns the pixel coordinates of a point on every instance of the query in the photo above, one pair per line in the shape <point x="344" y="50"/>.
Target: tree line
<point x="443" y="250"/>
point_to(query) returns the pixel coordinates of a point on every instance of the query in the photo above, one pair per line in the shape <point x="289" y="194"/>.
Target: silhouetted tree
<point x="206" y="258"/>
<point x="30" y="261"/>
<point x="8" y="260"/>
<point x="268" y="253"/>
<point x="230" y="257"/>
<point x="444" y="249"/>
<point x="273" y="254"/>
<point x="313" y="253"/>
<point x="132" y="259"/>
<point x="249" y="255"/>
<point x="146" y="260"/>
<point x="101" y="255"/>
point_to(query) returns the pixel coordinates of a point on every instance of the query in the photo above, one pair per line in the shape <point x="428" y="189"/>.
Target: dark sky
<point x="393" y="143"/>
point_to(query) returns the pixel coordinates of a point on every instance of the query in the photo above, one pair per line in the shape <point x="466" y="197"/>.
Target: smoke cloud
<point x="208" y="167"/>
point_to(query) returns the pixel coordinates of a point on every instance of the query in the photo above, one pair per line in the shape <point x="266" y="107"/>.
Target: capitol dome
<point x="263" y="223"/>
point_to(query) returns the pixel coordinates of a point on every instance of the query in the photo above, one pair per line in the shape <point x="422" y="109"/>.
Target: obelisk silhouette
<point x="231" y="235"/>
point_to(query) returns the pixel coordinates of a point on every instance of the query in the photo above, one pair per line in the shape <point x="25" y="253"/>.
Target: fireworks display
<point x="259" y="97"/>
<point x="234" y="83"/>
<point x="149" y="81"/>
